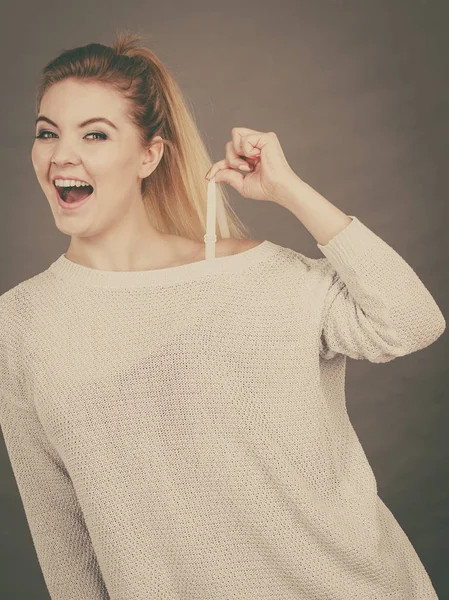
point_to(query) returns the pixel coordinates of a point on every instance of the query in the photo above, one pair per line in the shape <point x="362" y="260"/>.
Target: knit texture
<point x="182" y="433"/>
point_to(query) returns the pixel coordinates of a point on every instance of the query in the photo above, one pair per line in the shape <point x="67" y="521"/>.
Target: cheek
<point x="117" y="172"/>
<point x="103" y="165"/>
<point x="40" y="160"/>
<point x="34" y="156"/>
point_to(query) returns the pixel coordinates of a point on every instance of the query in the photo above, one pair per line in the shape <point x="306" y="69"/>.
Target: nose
<point x="64" y="153"/>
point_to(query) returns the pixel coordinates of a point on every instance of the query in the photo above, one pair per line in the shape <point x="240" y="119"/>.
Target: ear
<point x="151" y="157"/>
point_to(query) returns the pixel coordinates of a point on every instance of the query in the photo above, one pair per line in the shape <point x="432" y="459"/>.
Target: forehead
<point x="72" y="101"/>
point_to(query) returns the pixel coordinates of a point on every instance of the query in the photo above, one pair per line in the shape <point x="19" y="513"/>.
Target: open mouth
<point x="71" y="194"/>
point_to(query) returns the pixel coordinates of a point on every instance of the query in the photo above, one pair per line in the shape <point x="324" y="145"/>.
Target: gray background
<point x="357" y="92"/>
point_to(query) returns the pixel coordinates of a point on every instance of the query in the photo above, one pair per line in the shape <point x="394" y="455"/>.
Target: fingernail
<point x="244" y="167"/>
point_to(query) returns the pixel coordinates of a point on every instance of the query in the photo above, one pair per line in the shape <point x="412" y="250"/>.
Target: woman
<point x="177" y="425"/>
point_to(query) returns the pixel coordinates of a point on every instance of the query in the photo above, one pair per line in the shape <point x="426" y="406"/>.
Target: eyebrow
<point x="83" y="124"/>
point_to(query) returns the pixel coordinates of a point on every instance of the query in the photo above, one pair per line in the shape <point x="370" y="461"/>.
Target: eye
<point x="41" y="135"/>
<point x="103" y="136"/>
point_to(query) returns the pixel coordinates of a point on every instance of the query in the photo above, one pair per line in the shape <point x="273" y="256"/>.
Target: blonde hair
<point x="175" y="193"/>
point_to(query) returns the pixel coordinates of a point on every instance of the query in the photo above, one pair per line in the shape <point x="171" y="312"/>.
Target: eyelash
<point x="40" y="135"/>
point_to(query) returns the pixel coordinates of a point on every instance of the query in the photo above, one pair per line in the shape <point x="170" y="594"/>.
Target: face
<point x="109" y="158"/>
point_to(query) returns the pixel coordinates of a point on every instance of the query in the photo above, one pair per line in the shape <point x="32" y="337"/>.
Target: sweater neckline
<point x="75" y="273"/>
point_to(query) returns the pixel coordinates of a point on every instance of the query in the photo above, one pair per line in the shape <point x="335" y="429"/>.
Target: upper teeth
<point x="69" y="182"/>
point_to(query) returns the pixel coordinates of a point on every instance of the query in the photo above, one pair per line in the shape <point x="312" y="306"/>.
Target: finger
<point x="233" y="158"/>
<point x="241" y="146"/>
<point x="238" y="151"/>
<point x="252" y="145"/>
<point x="237" y="134"/>
<point x="221" y="164"/>
<point x="245" y="140"/>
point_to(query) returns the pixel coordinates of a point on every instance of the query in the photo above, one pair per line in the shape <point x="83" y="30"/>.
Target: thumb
<point x="231" y="177"/>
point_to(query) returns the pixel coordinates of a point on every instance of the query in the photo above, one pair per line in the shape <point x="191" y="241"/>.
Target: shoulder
<point x="235" y="246"/>
<point x="247" y="244"/>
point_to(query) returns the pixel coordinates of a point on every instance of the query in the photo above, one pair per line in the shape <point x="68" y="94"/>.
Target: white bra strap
<point x="210" y="236"/>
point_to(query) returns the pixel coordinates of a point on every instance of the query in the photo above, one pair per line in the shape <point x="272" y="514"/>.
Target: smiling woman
<point x="177" y="426"/>
<point x="143" y="191"/>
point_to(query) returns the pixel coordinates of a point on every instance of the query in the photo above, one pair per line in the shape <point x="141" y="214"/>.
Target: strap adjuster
<point x="210" y="238"/>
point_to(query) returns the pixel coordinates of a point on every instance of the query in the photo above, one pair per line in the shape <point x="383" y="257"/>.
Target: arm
<point x="376" y="307"/>
<point x="58" y="530"/>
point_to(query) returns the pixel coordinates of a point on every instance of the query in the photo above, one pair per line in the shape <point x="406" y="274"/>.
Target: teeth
<point x="69" y="183"/>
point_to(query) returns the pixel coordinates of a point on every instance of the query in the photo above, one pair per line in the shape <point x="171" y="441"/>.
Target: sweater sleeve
<point x="56" y="523"/>
<point x="376" y="308"/>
